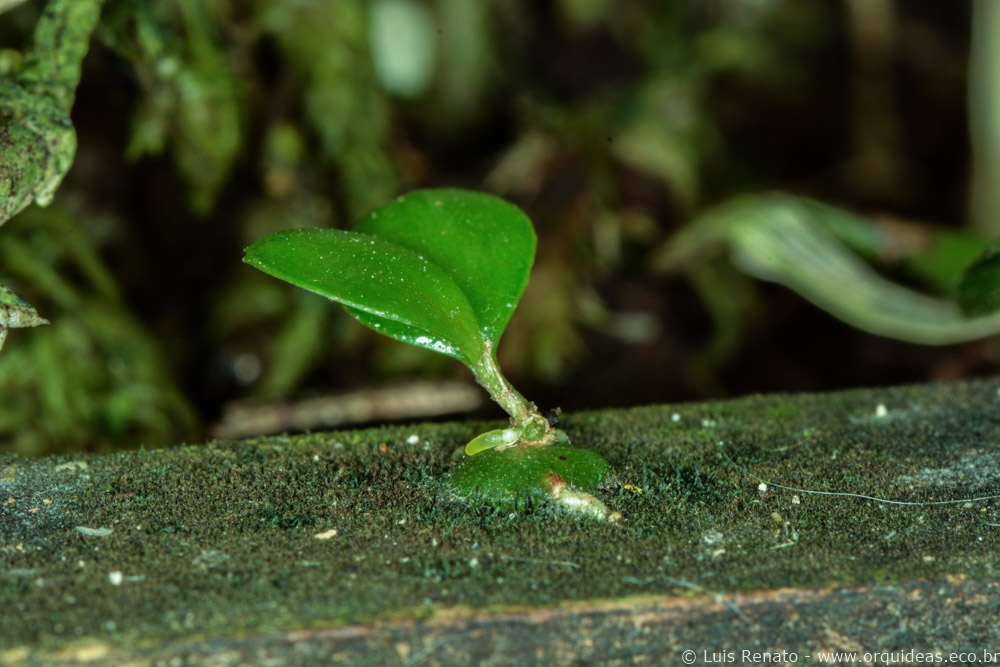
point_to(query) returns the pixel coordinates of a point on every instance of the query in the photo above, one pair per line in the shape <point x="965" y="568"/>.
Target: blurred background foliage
<point x="202" y="125"/>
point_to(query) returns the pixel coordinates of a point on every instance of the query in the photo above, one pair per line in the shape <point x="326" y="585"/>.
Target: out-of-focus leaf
<point x="668" y="136"/>
<point x="325" y="46"/>
<point x="729" y="299"/>
<point x="15" y="312"/>
<point x="664" y="155"/>
<point x="979" y="288"/>
<point x="401" y="34"/>
<point x="546" y="339"/>
<point x="193" y="99"/>
<point x="586" y="13"/>
<point x="296" y="347"/>
<point x="783" y="239"/>
<point x="9" y="4"/>
<point x="408" y="297"/>
<point x="935" y="256"/>
<point x="37" y="140"/>
<point x="466" y="47"/>
<point x="95" y="379"/>
<point x="984" y="111"/>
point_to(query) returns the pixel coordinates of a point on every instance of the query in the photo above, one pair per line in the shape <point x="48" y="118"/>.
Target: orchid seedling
<point x="444" y="269"/>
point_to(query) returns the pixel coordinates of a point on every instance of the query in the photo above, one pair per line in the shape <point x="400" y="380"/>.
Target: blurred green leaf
<point x="785" y="239"/>
<point x="934" y="255"/>
<point x="95" y="379"/>
<point x="586" y="13"/>
<point x="979" y="287"/>
<point x="193" y="100"/>
<point x="401" y="34"/>
<point x="325" y="46"/>
<point x="296" y="346"/>
<point x="466" y="45"/>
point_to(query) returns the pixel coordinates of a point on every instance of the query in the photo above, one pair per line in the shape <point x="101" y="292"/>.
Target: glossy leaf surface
<point x="391" y="288"/>
<point x="485" y="244"/>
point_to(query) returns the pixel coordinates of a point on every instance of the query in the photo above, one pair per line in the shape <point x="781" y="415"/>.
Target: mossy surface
<point x="242" y="538"/>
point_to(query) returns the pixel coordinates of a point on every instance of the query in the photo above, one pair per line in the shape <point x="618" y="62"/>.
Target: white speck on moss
<point x="326" y="534"/>
<point x="413" y="439"/>
<point x="880" y="410"/>
<point x="712" y="537"/>
<point x="116" y="578"/>
<point x="676" y="417"/>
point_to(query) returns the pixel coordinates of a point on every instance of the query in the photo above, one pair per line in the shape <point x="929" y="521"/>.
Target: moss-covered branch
<point x="229" y="544"/>
<point x="37" y="140"/>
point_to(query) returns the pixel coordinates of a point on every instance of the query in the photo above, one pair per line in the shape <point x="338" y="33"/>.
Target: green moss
<point x="346" y="527"/>
<point x="37" y="140"/>
<point x="781" y="412"/>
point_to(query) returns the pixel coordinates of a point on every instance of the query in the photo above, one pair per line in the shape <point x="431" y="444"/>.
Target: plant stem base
<point x="518" y="476"/>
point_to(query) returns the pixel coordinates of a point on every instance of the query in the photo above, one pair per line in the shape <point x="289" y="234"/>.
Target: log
<point x="781" y="528"/>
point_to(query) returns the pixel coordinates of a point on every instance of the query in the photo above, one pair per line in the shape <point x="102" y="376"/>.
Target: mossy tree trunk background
<point x="202" y="126"/>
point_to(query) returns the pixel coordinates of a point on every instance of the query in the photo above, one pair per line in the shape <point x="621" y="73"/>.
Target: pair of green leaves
<point x="444" y="269"/>
<point x="440" y="269"/>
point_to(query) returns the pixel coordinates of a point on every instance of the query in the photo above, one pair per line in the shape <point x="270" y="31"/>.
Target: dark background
<point x="203" y="126"/>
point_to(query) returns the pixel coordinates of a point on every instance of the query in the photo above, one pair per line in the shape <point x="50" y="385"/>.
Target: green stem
<point x="524" y="415"/>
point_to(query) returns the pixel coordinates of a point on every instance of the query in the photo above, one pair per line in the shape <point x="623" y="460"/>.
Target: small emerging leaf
<point x="491" y="439"/>
<point x="406" y="296"/>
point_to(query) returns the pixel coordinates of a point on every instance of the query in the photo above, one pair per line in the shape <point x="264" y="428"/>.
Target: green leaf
<point x="979" y="287"/>
<point x="485" y="244"/>
<point x="787" y="240"/>
<point x="396" y="290"/>
<point x="491" y="439"/>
